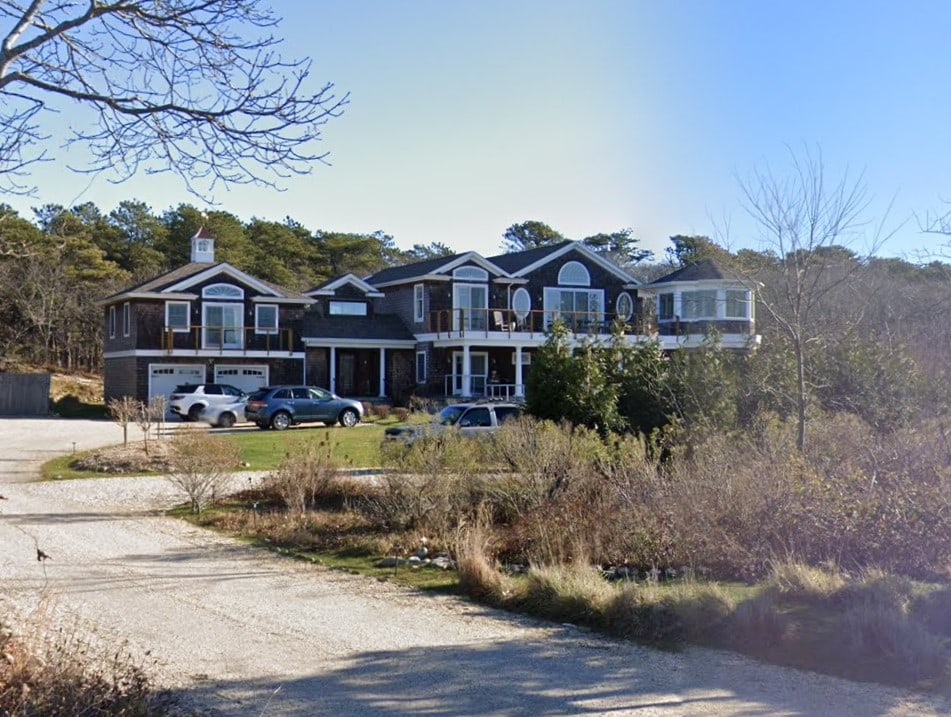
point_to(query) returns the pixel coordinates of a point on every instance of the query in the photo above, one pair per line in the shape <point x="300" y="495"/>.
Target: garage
<point x="247" y="378"/>
<point x="163" y="378"/>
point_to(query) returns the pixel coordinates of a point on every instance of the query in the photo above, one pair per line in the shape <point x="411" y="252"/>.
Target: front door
<point x="347" y="374"/>
<point x="478" y="372"/>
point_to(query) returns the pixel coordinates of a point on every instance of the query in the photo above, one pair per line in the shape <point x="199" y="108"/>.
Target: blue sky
<point x="466" y="117"/>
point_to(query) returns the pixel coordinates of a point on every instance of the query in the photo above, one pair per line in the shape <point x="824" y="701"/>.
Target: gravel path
<point x="240" y="632"/>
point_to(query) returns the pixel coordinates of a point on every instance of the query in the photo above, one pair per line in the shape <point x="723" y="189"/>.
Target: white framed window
<point x="112" y="322"/>
<point x="222" y="291"/>
<point x="699" y="304"/>
<point x="223" y="326"/>
<point x="420" y="367"/>
<point x="574" y="273"/>
<point x="126" y="319"/>
<point x="470" y="273"/>
<point x="177" y="316"/>
<point x="580" y="309"/>
<point x="665" y="307"/>
<point x="624" y="306"/>
<point x="347" y="308"/>
<point x="521" y="303"/>
<point x="418" y="303"/>
<point x="470" y="304"/>
<point x="737" y="304"/>
<point x="265" y="319"/>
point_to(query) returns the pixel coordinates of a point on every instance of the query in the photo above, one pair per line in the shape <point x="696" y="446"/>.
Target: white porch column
<point x="382" y="372"/>
<point x="333" y="369"/>
<point x="466" y="371"/>
<point x="519" y="383"/>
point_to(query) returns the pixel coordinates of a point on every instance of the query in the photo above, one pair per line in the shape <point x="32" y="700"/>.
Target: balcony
<point x="502" y="323"/>
<point x="228" y="340"/>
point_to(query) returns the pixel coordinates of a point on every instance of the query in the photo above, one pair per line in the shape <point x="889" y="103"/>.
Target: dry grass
<point x="53" y="668"/>
<point x="792" y="580"/>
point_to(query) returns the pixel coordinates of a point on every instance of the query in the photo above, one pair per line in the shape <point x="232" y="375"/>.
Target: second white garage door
<point x="247" y="378"/>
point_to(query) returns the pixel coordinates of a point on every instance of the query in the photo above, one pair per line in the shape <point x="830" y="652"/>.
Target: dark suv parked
<point x="280" y="407"/>
<point x="470" y="419"/>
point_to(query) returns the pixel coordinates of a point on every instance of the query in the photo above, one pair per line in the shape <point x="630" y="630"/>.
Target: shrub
<point x="758" y="623"/>
<point x="402" y="414"/>
<point x="791" y="580"/>
<point x="477" y="569"/>
<point x="201" y="465"/>
<point x="573" y="593"/>
<point x="306" y="479"/>
<point x="49" y="669"/>
<point x="382" y="411"/>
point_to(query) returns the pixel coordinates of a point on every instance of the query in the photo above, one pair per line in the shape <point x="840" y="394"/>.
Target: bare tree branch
<point x="162" y="86"/>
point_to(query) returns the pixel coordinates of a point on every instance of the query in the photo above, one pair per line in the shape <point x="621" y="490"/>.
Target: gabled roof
<point x="523" y="262"/>
<point x="329" y="287"/>
<point x="381" y="327"/>
<point x="439" y="266"/>
<point x="177" y="282"/>
<point x="706" y="270"/>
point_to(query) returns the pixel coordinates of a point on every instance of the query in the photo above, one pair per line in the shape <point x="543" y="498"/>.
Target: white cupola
<point x="203" y="246"/>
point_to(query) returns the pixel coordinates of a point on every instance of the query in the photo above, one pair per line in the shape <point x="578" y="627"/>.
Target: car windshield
<point x="258" y="396"/>
<point x="449" y="415"/>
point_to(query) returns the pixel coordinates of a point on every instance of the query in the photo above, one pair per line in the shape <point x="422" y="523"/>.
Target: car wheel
<point x="194" y="413"/>
<point x="349" y="418"/>
<point x="226" y="420"/>
<point x="280" y="420"/>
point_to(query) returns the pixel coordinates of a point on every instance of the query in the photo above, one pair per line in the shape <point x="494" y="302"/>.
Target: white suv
<point x="190" y="399"/>
<point x="469" y="419"/>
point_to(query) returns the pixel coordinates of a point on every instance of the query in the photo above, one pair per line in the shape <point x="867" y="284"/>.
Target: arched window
<point x="521" y="303"/>
<point x="574" y="273"/>
<point x="222" y="291"/>
<point x="470" y="273"/>
<point x="624" y="307"/>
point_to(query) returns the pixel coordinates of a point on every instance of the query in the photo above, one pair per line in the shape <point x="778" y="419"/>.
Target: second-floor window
<point x="418" y="306"/>
<point x="665" y="307"/>
<point x="265" y="319"/>
<point x="348" y="308"/>
<point x="700" y="304"/>
<point x="223" y="326"/>
<point x="737" y="304"/>
<point x="112" y="322"/>
<point x="176" y="316"/>
<point x="126" y="319"/>
<point x="580" y="309"/>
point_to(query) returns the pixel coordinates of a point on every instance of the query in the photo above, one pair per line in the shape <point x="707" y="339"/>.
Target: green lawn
<point x="357" y="447"/>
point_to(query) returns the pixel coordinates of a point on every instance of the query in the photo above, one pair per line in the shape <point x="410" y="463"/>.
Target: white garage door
<point x="247" y="378"/>
<point x="163" y="378"/>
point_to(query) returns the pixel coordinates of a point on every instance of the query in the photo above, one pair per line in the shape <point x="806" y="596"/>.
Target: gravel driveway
<point x="248" y="633"/>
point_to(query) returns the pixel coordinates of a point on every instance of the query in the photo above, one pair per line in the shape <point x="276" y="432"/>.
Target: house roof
<point x="381" y="327"/>
<point x="411" y="271"/>
<point x="516" y="261"/>
<point x="330" y="286"/>
<point x="705" y="270"/>
<point x="176" y="280"/>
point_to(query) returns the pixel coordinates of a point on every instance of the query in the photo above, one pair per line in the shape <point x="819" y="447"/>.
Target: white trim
<point x="268" y="330"/>
<point x="338" y="303"/>
<point x="222" y="268"/>
<point x="574" y="265"/>
<point x="125" y="296"/>
<point x="551" y="310"/>
<point x="455" y="307"/>
<point x="281" y="300"/>
<point x="231" y="293"/>
<point x="204" y="353"/>
<point x="371" y="343"/>
<point x="188" y="317"/>
<point x="330" y="289"/>
<point x="415" y="279"/>
<point x="126" y="319"/>
<point x="617" y="306"/>
<point x="419" y="303"/>
<point x="425" y="367"/>
<point x="441" y="272"/>
<point x="521" y="316"/>
<point x="207" y="326"/>
<point x="478" y="273"/>
<point x="592" y="255"/>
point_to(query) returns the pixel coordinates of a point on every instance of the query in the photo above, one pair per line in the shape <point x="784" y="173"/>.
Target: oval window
<point x="521" y="303"/>
<point x="624" y="306"/>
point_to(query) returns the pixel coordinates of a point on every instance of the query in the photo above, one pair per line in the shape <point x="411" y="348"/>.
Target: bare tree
<point x="806" y="225"/>
<point x="186" y="86"/>
<point x="201" y="465"/>
<point x="124" y="411"/>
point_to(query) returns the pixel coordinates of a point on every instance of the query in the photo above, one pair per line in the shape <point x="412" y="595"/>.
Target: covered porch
<point x="378" y="371"/>
<point x="483" y="371"/>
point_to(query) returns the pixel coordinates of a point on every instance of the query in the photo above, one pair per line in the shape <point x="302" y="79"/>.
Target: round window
<point x="521" y="303"/>
<point x="624" y="306"/>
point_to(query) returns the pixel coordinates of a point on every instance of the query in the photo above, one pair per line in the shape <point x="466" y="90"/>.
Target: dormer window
<point x="347" y="308"/>
<point x="470" y="273"/>
<point x="574" y="273"/>
<point x="222" y="291"/>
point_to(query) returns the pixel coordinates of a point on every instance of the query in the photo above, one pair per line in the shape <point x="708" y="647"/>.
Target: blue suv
<point x="281" y="407"/>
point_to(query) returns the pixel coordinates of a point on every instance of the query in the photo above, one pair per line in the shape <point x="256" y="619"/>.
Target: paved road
<point x="246" y="633"/>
